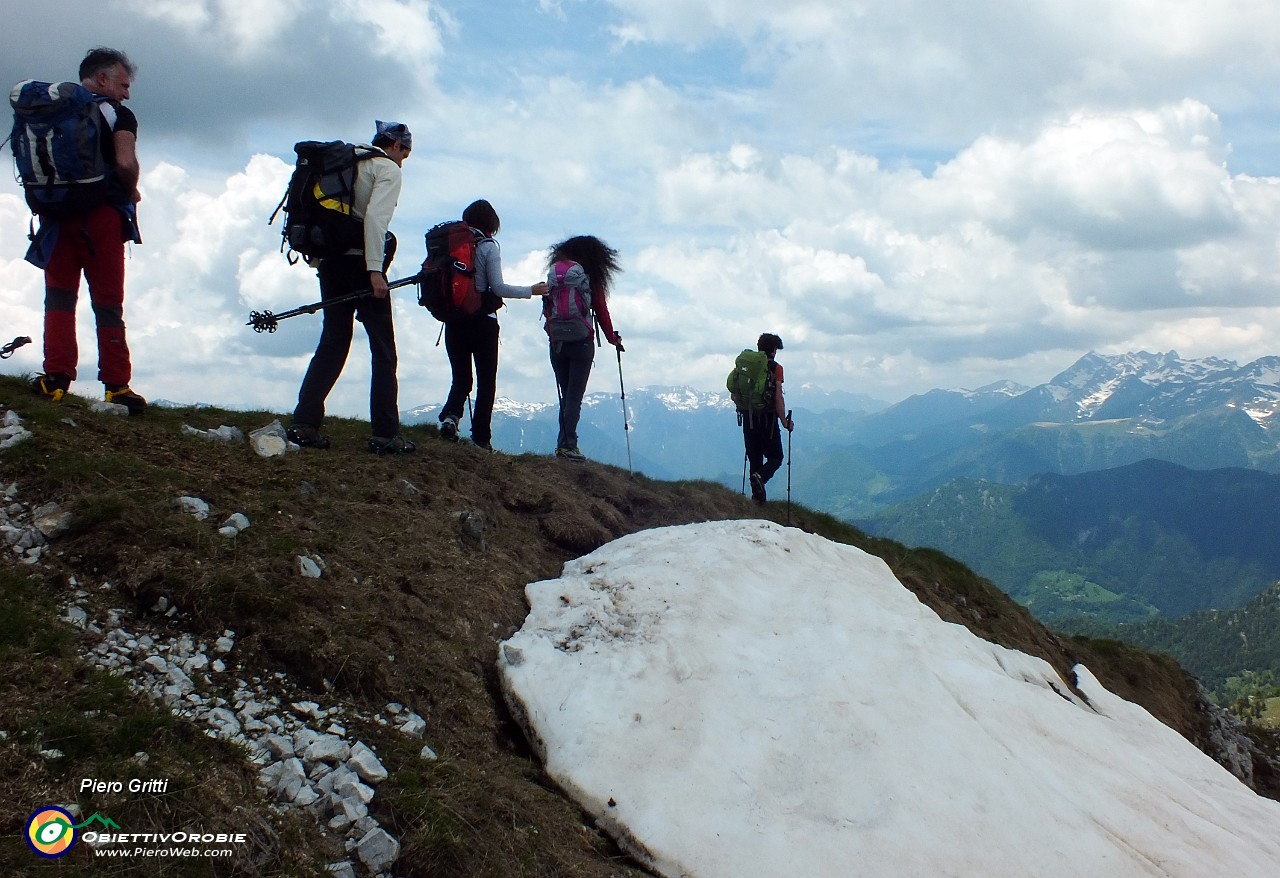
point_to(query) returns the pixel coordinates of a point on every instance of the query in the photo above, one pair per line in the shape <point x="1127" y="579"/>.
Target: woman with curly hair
<point x="576" y="309"/>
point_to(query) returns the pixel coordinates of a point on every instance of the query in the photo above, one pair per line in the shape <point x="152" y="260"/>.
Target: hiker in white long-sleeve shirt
<point x="376" y="192"/>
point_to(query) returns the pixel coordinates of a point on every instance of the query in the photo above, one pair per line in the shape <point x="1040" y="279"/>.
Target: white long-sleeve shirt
<point x="376" y="194"/>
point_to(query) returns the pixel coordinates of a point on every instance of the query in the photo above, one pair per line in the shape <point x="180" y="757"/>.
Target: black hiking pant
<point x="341" y="276"/>
<point x="474" y="339"/>
<point x="762" y="436"/>
<point x="571" y="362"/>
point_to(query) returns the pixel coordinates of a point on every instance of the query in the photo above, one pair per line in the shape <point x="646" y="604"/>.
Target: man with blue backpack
<point x="756" y="387"/>
<point x="75" y="148"/>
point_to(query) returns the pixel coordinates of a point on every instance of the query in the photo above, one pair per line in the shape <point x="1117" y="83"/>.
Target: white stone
<point x="378" y="850"/>
<point x="332" y="777"/>
<point x="341" y="870"/>
<point x="414" y="725"/>
<point x="364" y="762"/>
<point x="238" y="520"/>
<point x="428" y="754"/>
<point x="11" y="436"/>
<point x="269" y="441"/>
<point x="303" y="738"/>
<point x="287" y="778"/>
<point x="309" y="709"/>
<point x="308" y="567"/>
<point x="224" y="721"/>
<point x="226" y="433"/>
<point x="351" y="788"/>
<point x="102" y="407"/>
<point x="193" y="506"/>
<point x="197" y="662"/>
<point x="51" y="520"/>
<point x="327" y="748"/>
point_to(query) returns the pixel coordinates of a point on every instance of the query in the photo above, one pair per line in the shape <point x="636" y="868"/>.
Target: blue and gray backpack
<point x="57" y="146"/>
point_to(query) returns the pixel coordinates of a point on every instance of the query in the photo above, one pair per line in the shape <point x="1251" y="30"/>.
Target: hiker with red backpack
<point x="576" y="310"/>
<point x="75" y="148"/>
<point x="473" y="336"/>
<point x="756" y="387"/>
<point x="375" y="191"/>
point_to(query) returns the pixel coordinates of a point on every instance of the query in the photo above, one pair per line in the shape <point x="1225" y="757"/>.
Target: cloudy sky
<point x="913" y="194"/>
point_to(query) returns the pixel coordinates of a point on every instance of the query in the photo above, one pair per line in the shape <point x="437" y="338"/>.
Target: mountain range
<point x="855" y="456"/>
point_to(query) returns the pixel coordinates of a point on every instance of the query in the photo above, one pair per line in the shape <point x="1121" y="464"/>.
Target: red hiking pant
<point x="92" y="244"/>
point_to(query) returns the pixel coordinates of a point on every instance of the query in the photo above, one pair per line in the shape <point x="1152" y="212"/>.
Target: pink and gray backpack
<point x="567" y="305"/>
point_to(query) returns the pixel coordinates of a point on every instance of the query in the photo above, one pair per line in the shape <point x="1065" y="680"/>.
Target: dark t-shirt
<point x="119" y="118"/>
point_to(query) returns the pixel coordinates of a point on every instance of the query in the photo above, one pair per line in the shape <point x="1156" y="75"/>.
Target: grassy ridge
<point x="411" y="606"/>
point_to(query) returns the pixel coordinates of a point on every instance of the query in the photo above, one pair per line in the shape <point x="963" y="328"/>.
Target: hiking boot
<point x="120" y="394"/>
<point x="449" y="429"/>
<point x="394" y="445"/>
<point x="571" y="454"/>
<point x="306" y="436"/>
<point x="757" y="488"/>
<point x="53" y="387"/>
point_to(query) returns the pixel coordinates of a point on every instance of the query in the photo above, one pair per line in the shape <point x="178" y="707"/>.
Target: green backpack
<point x="751" y="382"/>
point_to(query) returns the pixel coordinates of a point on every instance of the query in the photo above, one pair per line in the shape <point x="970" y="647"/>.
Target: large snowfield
<point x="743" y="699"/>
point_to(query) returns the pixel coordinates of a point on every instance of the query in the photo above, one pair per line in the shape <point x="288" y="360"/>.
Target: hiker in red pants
<point x="85" y="232"/>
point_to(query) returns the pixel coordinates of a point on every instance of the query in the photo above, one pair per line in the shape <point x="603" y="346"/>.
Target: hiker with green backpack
<point x="756" y="387"/>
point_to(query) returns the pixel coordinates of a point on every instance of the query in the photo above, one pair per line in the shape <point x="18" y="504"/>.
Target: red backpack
<point x="447" y="283"/>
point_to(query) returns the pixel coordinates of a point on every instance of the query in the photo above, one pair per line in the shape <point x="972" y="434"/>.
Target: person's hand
<point x="378" y="283"/>
<point x="617" y="342"/>
<point x="788" y="423"/>
<point x="540" y="288"/>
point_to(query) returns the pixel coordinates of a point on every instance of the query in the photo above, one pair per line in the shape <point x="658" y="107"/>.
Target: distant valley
<point x="1126" y="487"/>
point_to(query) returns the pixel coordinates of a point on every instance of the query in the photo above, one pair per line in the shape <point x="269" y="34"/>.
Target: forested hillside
<point x="1118" y="545"/>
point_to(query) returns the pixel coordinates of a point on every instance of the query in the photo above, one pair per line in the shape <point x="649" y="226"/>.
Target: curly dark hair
<point x="598" y="260"/>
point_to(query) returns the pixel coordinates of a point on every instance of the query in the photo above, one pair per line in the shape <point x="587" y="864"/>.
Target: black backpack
<point x="318" y="221"/>
<point x="447" y="286"/>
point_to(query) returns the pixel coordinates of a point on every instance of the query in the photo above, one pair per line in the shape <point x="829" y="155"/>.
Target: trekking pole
<point x="626" y="420"/>
<point x="266" y="321"/>
<point x="744" y="473"/>
<point x="789" y="421"/>
<point x="7" y="351"/>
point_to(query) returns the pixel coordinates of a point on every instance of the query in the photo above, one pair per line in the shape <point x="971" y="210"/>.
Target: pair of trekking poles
<point x="744" y="470"/>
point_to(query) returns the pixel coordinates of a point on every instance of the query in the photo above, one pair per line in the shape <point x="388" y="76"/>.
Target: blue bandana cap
<point x="397" y="131"/>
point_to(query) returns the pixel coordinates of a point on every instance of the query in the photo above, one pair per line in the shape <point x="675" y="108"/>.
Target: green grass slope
<point x="410" y="608"/>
